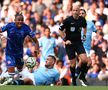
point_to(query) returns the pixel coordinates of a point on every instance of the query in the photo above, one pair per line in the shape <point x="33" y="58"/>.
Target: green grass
<point x="53" y="88"/>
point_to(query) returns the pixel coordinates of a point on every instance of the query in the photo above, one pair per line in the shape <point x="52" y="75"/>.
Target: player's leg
<point x="84" y="68"/>
<point x="71" y="56"/>
<point x="19" y="63"/>
<point x="27" y="80"/>
<point x="9" y="75"/>
<point x="19" y="66"/>
<point x="84" y="71"/>
<point x="72" y="69"/>
<point x="10" y="62"/>
<point x="82" y="64"/>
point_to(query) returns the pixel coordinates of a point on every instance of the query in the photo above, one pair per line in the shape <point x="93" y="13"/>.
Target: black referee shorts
<point x="75" y="47"/>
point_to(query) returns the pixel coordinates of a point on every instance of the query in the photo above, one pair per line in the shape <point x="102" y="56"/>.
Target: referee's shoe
<point x="83" y="80"/>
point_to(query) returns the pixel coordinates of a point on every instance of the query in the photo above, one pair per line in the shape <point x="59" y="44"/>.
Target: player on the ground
<point x="46" y="75"/>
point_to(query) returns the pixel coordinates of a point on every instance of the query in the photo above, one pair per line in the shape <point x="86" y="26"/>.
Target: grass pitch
<point x="9" y="87"/>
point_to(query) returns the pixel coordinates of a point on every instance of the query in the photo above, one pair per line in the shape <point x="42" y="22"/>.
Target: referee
<point x="70" y="31"/>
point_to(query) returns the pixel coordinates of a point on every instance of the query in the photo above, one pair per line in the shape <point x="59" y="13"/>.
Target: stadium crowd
<point x="44" y="18"/>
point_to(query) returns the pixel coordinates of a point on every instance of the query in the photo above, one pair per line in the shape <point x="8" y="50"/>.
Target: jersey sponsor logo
<point x="9" y="62"/>
<point x="72" y="29"/>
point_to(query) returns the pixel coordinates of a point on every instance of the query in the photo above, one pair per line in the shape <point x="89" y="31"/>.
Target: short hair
<point x="60" y="61"/>
<point x="75" y="5"/>
<point x="46" y="27"/>
<point x="53" y="57"/>
<point x="18" y="14"/>
<point x="83" y="10"/>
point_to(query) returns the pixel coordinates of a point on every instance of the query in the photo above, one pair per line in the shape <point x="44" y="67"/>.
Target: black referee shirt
<point x="73" y="28"/>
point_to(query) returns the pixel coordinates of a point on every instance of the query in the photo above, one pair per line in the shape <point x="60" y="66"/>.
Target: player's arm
<point x="56" y="51"/>
<point x="62" y="28"/>
<point x="1" y="35"/>
<point x="84" y="23"/>
<point x="34" y="39"/>
<point x="62" y="34"/>
<point x="85" y="30"/>
<point x="59" y="82"/>
<point x="0" y="30"/>
<point x="5" y="27"/>
<point x="62" y="31"/>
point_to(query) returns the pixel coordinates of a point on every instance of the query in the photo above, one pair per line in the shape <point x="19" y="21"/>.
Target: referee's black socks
<point x="78" y="71"/>
<point x="72" y="69"/>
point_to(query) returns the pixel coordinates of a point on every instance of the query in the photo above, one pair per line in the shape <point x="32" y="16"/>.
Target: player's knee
<point x="84" y="58"/>
<point x="11" y="69"/>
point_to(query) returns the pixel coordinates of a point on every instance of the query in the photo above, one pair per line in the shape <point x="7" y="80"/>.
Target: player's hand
<point x="59" y="83"/>
<point x="37" y="52"/>
<point x="68" y="42"/>
<point x="1" y="36"/>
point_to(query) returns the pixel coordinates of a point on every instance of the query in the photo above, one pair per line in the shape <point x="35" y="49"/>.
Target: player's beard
<point x="47" y="66"/>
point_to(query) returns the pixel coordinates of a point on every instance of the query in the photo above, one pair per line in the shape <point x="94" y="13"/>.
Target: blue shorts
<point x="13" y="61"/>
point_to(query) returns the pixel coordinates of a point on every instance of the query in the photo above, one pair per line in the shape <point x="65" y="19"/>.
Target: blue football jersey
<point x="15" y="38"/>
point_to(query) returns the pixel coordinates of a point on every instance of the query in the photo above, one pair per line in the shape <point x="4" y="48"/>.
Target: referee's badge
<point x="72" y="29"/>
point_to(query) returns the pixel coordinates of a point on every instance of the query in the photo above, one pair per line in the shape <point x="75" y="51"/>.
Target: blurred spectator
<point x="36" y="20"/>
<point x="47" y="15"/>
<point x="91" y="12"/>
<point x="86" y="6"/>
<point x="94" y="58"/>
<point x="64" y="73"/>
<point x="60" y="45"/>
<point x="53" y="27"/>
<point x="102" y="8"/>
<point x="39" y="7"/>
<point x="103" y="74"/>
<point x="105" y="28"/>
<point x="94" y="71"/>
<point x="54" y="9"/>
<point x="59" y="15"/>
<point x="98" y="26"/>
<point x="97" y="43"/>
<point x="48" y="3"/>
